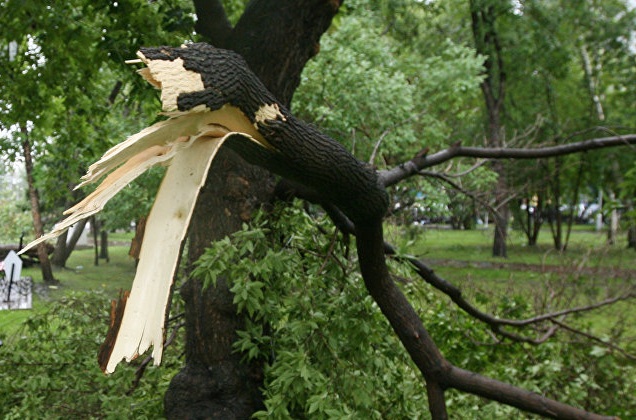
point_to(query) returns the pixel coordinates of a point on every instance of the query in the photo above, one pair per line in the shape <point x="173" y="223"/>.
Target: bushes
<point x="49" y="369"/>
<point x="329" y="352"/>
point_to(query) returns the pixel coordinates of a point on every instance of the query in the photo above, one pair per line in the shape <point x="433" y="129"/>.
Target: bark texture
<point x="276" y="38"/>
<point x="34" y="198"/>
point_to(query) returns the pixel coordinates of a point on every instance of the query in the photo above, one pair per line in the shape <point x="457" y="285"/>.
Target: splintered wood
<point x="186" y="142"/>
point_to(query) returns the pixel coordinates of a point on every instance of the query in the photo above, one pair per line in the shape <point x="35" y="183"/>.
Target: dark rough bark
<point x="276" y="38"/>
<point x="45" y="263"/>
<point x="212" y="23"/>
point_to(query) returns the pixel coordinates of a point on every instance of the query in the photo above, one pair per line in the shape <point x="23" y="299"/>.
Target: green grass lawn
<point x="476" y="245"/>
<point x="586" y="272"/>
<point x="80" y="274"/>
<point x="589" y="271"/>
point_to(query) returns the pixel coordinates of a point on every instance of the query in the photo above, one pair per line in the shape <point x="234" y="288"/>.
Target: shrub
<point x="329" y="352"/>
<point x="49" y="368"/>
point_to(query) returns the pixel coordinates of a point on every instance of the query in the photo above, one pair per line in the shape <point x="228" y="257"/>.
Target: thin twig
<point x="594" y="338"/>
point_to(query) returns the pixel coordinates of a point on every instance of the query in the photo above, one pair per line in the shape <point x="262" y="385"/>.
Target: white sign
<point x="15" y="291"/>
<point x="12" y="266"/>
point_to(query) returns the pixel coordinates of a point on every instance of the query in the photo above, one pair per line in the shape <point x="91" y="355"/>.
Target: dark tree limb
<point x="288" y="189"/>
<point x="212" y="22"/>
<point x="278" y="53"/>
<point x="437" y="371"/>
<point x="413" y="166"/>
<point x="445" y="374"/>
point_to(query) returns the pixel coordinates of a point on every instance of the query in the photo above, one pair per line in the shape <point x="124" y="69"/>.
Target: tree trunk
<point x="103" y="245"/>
<point x="45" y="263"/>
<point x="574" y="204"/>
<point x="138" y="239"/>
<point x="95" y="232"/>
<point x="631" y="225"/>
<point x="533" y="214"/>
<point x="65" y="244"/>
<point x="556" y="223"/>
<point x="612" y="232"/>
<point x="483" y="19"/>
<point x="631" y="236"/>
<point x="502" y="216"/>
<point x="60" y="254"/>
<point x="276" y="38"/>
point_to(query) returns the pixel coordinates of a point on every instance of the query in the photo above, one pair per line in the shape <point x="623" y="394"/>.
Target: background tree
<point x="66" y="109"/>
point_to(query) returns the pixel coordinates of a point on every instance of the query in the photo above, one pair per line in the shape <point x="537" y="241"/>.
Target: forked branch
<point x="413" y="166"/>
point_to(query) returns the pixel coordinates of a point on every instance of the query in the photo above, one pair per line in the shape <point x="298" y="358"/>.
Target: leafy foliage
<point x="49" y="368"/>
<point x="70" y="90"/>
<point x="14" y="215"/>
<point x="329" y="353"/>
<point x="367" y="92"/>
<point x="14" y="221"/>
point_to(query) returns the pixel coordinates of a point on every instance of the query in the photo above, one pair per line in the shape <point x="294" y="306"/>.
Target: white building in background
<point x="13" y="185"/>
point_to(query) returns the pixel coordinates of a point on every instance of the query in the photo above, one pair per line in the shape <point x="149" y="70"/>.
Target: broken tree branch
<point x="412" y="167"/>
<point x="437" y="371"/>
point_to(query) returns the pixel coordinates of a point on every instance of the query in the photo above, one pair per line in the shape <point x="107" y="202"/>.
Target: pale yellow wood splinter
<point x="187" y="142"/>
<point x="143" y="321"/>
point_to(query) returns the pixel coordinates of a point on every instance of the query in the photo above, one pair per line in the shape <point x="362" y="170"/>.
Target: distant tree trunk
<point x="95" y="232"/>
<point x="612" y="232"/>
<point x="631" y="235"/>
<point x="556" y="222"/>
<point x="533" y="215"/>
<point x="103" y="245"/>
<point x="58" y="258"/>
<point x="65" y="244"/>
<point x="277" y="38"/>
<point x="502" y="216"/>
<point x="45" y="263"/>
<point x="631" y="223"/>
<point x="483" y="19"/>
<point x="574" y="203"/>
<point x="537" y="221"/>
